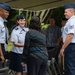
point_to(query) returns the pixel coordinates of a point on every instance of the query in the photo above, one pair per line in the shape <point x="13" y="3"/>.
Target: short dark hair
<point x="52" y="17"/>
<point x="35" y="23"/>
<point x="64" y="19"/>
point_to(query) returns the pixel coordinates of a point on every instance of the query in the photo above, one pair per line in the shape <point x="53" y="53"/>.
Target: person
<point x="53" y="35"/>
<point x="16" y="24"/>
<point x="4" y="13"/>
<point x="63" y="22"/>
<point x="18" y="37"/>
<point x="68" y="47"/>
<point x="35" y="49"/>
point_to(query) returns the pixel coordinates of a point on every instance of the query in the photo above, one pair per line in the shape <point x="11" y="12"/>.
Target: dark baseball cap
<point x="5" y="6"/>
<point x="21" y="16"/>
<point x="69" y="5"/>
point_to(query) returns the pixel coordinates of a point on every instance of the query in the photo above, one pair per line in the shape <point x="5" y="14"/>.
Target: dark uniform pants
<point x="69" y="59"/>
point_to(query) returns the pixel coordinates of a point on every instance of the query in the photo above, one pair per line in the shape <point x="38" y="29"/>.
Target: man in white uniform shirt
<point x="68" y="48"/>
<point x="4" y="13"/>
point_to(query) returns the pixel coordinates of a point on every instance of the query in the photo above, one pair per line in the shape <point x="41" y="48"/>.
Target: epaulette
<point x="16" y="28"/>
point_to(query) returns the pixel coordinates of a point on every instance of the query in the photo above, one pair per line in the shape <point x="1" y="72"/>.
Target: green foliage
<point x="44" y="26"/>
<point x="9" y="46"/>
<point x="57" y="13"/>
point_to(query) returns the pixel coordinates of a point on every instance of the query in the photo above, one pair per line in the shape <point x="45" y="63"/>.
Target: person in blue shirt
<point x="35" y="49"/>
<point x="4" y="13"/>
<point x="17" y="38"/>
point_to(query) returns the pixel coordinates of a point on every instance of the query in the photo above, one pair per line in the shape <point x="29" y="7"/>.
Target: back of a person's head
<point x="35" y="23"/>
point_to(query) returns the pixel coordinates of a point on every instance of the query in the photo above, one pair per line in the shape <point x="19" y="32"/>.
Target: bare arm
<point x="59" y="40"/>
<point x="67" y="42"/>
<point x="18" y="44"/>
<point x="1" y="54"/>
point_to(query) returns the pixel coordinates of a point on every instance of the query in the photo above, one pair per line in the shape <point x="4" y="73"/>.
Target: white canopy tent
<point x="36" y="6"/>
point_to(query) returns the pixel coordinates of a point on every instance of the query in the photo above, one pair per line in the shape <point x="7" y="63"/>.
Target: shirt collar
<point x="21" y="28"/>
<point x="2" y="20"/>
<point x="72" y="17"/>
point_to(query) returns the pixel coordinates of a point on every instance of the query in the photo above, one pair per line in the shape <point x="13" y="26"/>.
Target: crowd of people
<point x="32" y="45"/>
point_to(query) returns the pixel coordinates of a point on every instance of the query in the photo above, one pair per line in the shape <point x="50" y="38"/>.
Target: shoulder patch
<point x="72" y="26"/>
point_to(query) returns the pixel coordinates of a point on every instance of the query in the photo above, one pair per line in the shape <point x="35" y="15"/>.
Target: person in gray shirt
<point x="4" y="13"/>
<point x="53" y="35"/>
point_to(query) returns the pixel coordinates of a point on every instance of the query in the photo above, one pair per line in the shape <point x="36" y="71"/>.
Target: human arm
<point x="18" y="44"/>
<point x="1" y="54"/>
<point x="1" y="41"/>
<point x="66" y="43"/>
<point x="59" y="41"/>
<point x="59" y="37"/>
<point x="17" y="39"/>
<point x="69" y="33"/>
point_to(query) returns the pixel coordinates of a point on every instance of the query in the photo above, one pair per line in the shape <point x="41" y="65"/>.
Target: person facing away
<point x="17" y="38"/>
<point x="4" y="13"/>
<point x="53" y="36"/>
<point x="35" y="49"/>
<point x="68" y="47"/>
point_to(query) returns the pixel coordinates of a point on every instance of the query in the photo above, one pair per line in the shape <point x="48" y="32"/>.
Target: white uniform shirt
<point x="69" y="28"/>
<point x="18" y="35"/>
<point x="2" y="31"/>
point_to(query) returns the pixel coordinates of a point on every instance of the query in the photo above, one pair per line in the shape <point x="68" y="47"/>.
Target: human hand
<point x="62" y="52"/>
<point x="2" y="58"/>
<point x="22" y="63"/>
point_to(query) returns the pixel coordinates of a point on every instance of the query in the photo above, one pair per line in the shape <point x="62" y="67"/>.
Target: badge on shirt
<point x="72" y="26"/>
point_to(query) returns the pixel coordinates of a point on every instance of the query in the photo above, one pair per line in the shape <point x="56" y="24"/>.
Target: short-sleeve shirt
<point x="52" y="35"/>
<point x="18" y="35"/>
<point x="69" y="28"/>
<point x="2" y="31"/>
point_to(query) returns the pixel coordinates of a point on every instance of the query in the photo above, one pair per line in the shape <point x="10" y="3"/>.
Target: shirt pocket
<point x="3" y="29"/>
